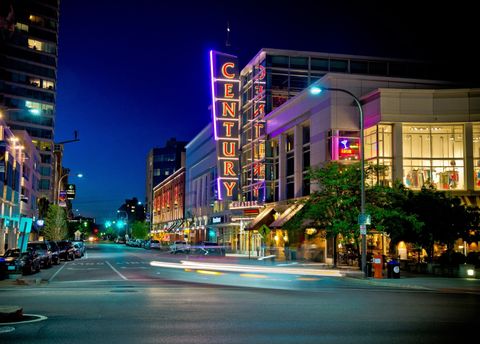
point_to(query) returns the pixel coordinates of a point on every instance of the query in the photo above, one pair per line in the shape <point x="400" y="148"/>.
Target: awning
<point x="264" y="218"/>
<point x="287" y="215"/>
<point x="472" y="201"/>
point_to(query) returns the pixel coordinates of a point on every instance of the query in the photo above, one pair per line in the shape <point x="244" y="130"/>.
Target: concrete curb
<point x="10" y="313"/>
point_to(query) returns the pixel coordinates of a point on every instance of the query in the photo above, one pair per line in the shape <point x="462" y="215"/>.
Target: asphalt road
<point x="115" y="295"/>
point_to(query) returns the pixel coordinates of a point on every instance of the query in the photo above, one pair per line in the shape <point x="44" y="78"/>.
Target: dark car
<point x="44" y="251"/>
<point x="67" y="251"/>
<point x="26" y="262"/>
<point x="81" y="246"/>
<point x="77" y="250"/>
<point x="55" y="252"/>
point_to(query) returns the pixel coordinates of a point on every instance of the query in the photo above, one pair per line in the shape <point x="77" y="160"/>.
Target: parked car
<point x="44" y="251"/>
<point x="55" y="252"/>
<point x="77" y="250"/>
<point x="211" y="249"/>
<point x="149" y="244"/>
<point x="25" y="263"/>
<point x="67" y="251"/>
<point x="120" y="240"/>
<point x="81" y="246"/>
<point x="180" y="246"/>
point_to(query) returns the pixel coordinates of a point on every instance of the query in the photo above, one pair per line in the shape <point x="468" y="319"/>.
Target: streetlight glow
<point x="315" y="90"/>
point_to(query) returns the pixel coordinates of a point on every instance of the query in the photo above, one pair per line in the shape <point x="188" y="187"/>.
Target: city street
<point x="114" y="294"/>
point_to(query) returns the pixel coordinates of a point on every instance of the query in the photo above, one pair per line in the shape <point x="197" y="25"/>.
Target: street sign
<point x="364" y="219"/>
<point x="71" y="191"/>
<point x="363" y="229"/>
<point x="62" y="198"/>
<point x="264" y="230"/>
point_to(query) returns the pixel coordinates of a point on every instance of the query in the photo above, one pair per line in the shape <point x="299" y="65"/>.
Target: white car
<point x="180" y="246"/>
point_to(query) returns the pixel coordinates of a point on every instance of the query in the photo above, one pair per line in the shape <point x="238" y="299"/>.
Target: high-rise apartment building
<point x="28" y="76"/>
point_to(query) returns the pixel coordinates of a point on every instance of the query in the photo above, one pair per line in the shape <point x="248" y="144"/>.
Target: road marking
<point x="56" y="273"/>
<point x="118" y="272"/>
<point x="37" y="318"/>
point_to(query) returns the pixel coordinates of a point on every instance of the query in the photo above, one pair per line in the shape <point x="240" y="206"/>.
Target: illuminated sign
<point x="258" y="132"/>
<point x="348" y="148"/>
<point x="71" y="191"/>
<point x="217" y="219"/>
<point x="225" y="80"/>
<point x="245" y="205"/>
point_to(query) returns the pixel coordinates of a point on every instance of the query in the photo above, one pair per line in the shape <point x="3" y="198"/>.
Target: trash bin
<point x="393" y="269"/>
<point x="369" y="269"/>
<point x="293" y="255"/>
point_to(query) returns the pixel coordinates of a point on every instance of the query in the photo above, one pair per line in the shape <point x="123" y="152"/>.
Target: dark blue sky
<point x="134" y="73"/>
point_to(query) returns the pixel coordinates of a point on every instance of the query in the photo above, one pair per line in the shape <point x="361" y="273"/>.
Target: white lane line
<point x="118" y="272"/>
<point x="56" y="273"/>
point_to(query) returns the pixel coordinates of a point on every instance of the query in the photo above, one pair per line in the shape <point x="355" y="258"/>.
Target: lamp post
<point x="315" y="90"/>
<point x="79" y="175"/>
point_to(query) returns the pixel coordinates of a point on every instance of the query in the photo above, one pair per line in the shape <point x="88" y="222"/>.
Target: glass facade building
<point x="28" y="76"/>
<point x="270" y="79"/>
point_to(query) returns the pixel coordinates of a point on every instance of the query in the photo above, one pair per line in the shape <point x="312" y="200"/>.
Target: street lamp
<point x="79" y="175"/>
<point x="315" y="90"/>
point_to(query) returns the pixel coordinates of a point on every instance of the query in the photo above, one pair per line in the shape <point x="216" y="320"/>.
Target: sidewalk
<point x="407" y="280"/>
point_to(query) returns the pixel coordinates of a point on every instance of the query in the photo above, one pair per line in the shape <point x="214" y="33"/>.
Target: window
<point x="42" y="46"/>
<point x="338" y="66"/>
<point x="278" y="61"/>
<point x="433" y="154"/>
<point x="36" y="19"/>
<point x="44" y="184"/>
<point x="377" y="68"/>
<point x="156" y="172"/>
<point x="476" y="156"/>
<point x="21" y="27"/>
<point x="379" y="152"/>
<point x="358" y="67"/>
<point x="299" y="62"/>
<point x="319" y="64"/>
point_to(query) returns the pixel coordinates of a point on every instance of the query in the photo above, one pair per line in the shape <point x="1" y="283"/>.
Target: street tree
<point x="335" y="205"/>
<point x="140" y="230"/>
<point x="55" y="223"/>
<point x="445" y="218"/>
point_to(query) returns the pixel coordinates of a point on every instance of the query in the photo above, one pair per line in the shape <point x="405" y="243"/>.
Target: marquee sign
<point x="225" y="80"/>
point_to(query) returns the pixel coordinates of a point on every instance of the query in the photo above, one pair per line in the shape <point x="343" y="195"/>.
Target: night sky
<point x="134" y="73"/>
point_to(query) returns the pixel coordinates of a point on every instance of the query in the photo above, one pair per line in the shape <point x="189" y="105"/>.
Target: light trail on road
<point x="246" y="269"/>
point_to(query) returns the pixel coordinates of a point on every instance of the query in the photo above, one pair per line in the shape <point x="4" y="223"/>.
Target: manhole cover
<point x="123" y="291"/>
<point x="6" y="329"/>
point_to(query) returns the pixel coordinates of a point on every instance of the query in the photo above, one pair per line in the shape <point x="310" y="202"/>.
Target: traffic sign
<point x="264" y="230"/>
<point x="364" y="219"/>
<point x="363" y="229"/>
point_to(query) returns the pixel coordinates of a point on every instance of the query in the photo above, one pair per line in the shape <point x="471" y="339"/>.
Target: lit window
<point x="22" y="27"/>
<point x="48" y="85"/>
<point x="34" y="44"/>
<point x="433" y="154"/>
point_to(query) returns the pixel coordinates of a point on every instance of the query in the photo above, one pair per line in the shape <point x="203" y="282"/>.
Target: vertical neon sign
<point x="224" y="74"/>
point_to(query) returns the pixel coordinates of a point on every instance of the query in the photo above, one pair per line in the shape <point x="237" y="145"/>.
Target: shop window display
<point x="433" y="155"/>
<point x="476" y="156"/>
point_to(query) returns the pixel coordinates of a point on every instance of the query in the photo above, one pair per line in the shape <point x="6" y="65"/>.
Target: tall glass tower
<point x="28" y="76"/>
